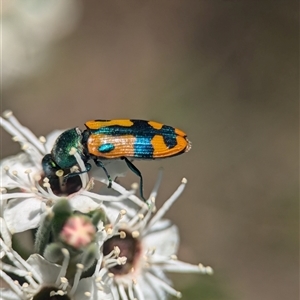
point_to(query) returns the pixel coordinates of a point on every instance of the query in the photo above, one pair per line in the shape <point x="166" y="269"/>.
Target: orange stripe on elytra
<point x="124" y="145"/>
<point x="98" y="124"/>
<point x="180" y="132"/>
<point x="183" y="144"/>
<point x="161" y="150"/>
<point x="155" y="125"/>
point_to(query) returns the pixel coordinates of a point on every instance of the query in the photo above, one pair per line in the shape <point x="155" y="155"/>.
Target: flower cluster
<point x="88" y="243"/>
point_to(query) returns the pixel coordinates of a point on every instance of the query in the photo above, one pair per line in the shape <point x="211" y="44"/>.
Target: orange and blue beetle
<point x="115" y="139"/>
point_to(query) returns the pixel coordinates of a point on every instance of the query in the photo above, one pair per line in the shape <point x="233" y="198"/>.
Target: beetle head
<point x="64" y="143"/>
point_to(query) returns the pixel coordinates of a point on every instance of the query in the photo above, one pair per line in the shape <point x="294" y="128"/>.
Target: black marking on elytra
<point x="143" y="132"/>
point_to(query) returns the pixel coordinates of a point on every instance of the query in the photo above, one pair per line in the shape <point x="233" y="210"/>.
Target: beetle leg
<point x="136" y="171"/>
<point x="100" y="164"/>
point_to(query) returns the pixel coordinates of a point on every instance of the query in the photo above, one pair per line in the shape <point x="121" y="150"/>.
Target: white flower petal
<point x="83" y="204"/>
<point x="150" y="290"/>
<point x="87" y="285"/>
<point x="8" y="294"/>
<point x="19" y="163"/>
<point x="115" y="168"/>
<point x="47" y="271"/>
<point x="21" y="215"/>
<point x="6" y="235"/>
<point x="164" y="237"/>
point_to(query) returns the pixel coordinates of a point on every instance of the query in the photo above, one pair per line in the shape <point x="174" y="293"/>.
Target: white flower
<point x="24" y="192"/>
<point x="130" y="254"/>
<point x="42" y="279"/>
<point x="150" y="246"/>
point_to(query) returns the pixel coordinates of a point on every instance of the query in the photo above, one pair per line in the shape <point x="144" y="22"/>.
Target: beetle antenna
<point x="70" y="175"/>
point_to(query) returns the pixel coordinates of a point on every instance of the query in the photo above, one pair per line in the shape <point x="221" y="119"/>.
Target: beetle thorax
<point x="68" y="140"/>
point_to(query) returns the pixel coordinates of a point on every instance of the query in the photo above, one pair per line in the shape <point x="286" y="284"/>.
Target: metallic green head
<point x="64" y="143"/>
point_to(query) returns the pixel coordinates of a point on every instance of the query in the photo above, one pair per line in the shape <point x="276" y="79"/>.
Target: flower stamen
<point x="20" y="130"/>
<point x="64" y="266"/>
<point x="167" y="205"/>
<point x="12" y="284"/>
<point x="79" y="270"/>
<point x="158" y="282"/>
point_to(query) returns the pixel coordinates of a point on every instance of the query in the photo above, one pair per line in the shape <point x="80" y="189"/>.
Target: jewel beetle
<point x="114" y="139"/>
